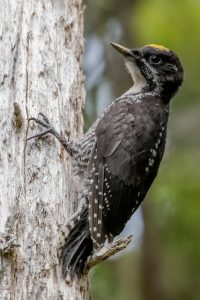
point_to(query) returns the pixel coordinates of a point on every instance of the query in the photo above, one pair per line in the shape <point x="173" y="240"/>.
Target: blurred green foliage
<point x="176" y="209"/>
<point x="167" y="266"/>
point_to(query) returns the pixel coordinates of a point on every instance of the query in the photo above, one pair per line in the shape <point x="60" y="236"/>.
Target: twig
<point x="106" y="252"/>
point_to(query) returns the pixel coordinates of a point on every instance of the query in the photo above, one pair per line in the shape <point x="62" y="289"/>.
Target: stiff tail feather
<point x="77" y="248"/>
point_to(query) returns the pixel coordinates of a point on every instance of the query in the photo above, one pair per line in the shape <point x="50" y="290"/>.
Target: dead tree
<point x="41" y="47"/>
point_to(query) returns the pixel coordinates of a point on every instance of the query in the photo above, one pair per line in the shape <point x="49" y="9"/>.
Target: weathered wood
<point x="41" y="46"/>
<point x="107" y="251"/>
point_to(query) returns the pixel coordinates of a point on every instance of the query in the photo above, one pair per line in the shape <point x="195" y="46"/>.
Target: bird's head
<point x="153" y="67"/>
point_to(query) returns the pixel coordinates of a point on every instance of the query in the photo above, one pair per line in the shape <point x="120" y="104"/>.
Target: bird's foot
<point x="44" y="122"/>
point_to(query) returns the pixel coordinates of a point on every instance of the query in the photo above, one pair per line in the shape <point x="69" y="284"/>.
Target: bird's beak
<point x="121" y="49"/>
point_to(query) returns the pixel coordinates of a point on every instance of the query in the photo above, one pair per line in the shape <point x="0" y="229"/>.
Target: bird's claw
<point x="44" y="123"/>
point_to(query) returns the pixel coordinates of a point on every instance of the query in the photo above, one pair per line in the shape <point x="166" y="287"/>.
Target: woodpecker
<point x="118" y="158"/>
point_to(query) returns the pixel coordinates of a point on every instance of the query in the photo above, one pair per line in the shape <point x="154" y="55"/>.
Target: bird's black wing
<point x="113" y="173"/>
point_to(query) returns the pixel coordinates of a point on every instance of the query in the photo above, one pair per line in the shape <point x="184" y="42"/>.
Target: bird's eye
<point x="155" y="60"/>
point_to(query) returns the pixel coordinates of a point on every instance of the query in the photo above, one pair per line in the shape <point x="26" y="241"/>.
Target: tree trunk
<point x="41" y="46"/>
<point x="152" y="257"/>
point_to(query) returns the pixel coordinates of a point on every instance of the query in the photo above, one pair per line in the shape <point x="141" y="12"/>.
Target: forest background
<point x="164" y="260"/>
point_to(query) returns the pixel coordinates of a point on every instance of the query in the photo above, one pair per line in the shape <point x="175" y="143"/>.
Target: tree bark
<point x="152" y="256"/>
<point x="41" y="47"/>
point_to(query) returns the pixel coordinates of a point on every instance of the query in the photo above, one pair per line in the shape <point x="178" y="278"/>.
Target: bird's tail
<point x="77" y="248"/>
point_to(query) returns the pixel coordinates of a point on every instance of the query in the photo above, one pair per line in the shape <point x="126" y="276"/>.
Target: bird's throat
<point x="139" y="81"/>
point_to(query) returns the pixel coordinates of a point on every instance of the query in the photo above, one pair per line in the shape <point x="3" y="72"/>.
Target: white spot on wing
<point x="151" y="162"/>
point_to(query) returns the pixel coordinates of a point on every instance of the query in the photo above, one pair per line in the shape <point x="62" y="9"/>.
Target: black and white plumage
<point x="124" y="163"/>
<point x="118" y="158"/>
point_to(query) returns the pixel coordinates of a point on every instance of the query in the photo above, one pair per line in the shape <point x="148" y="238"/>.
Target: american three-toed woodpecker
<point x="118" y="158"/>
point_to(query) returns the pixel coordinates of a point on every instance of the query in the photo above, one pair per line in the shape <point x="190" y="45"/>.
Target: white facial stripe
<point x="138" y="78"/>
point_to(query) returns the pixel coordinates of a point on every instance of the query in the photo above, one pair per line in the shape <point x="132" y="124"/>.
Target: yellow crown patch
<point x="158" y="47"/>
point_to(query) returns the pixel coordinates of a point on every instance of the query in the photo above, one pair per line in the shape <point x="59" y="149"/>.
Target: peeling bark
<point x="41" y="46"/>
